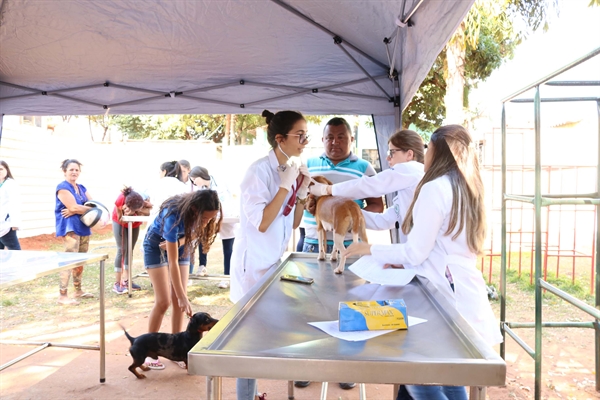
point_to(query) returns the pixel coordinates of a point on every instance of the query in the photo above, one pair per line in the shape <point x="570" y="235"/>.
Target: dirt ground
<point x="58" y="373"/>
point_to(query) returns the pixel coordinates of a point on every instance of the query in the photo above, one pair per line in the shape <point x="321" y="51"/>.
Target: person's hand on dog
<point x="288" y="174"/>
<point x="319" y="189"/>
<point x="303" y="189"/>
<point x="357" y="249"/>
<point x="185" y="306"/>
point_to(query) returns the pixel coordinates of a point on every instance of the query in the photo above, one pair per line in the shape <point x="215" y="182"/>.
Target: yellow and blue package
<point x="372" y="315"/>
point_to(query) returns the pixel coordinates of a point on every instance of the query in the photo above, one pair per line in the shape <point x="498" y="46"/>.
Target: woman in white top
<point x="169" y="185"/>
<point x="10" y="209"/>
<point x="267" y="210"/>
<point x="446" y="228"/>
<point x="405" y="157"/>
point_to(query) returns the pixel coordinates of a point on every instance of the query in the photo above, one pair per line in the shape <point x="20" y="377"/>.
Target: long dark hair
<point x="189" y="208"/>
<point x="172" y="169"/>
<point x="8" y="173"/>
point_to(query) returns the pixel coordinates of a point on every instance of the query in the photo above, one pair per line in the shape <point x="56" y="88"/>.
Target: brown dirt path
<point x="57" y="373"/>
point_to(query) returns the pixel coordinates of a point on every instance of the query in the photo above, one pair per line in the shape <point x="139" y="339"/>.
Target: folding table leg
<point x="362" y="391"/>
<point x="324" y="390"/>
<point x="477" y="393"/>
<point x="290" y="390"/>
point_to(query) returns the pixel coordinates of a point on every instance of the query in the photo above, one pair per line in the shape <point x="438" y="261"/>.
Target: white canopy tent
<point x="85" y="57"/>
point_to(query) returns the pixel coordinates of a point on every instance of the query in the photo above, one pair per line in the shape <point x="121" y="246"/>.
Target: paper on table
<point x="332" y="328"/>
<point x="370" y="270"/>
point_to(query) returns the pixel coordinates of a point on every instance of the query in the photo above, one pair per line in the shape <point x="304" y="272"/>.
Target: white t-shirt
<point x="10" y="206"/>
<point x="163" y="189"/>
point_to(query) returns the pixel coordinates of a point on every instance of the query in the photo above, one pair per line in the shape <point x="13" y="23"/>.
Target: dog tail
<point x="362" y="233"/>
<point x="131" y="338"/>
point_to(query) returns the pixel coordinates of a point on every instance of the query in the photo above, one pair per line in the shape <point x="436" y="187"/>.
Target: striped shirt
<point x="351" y="168"/>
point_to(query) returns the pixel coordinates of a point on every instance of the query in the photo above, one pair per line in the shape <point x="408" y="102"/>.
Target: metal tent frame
<point x="540" y="200"/>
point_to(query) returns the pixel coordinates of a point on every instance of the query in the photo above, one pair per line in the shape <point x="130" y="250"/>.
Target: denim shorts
<point x="155" y="257"/>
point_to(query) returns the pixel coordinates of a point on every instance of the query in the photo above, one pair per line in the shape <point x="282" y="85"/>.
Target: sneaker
<point x="203" y="271"/>
<point x="134" y="286"/>
<point x="119" y="289"/>
<point x="223" y="285"/>
<point x="347" y="386"/>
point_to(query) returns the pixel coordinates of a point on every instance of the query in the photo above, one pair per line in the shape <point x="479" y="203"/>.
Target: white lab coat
<point x="10" y="206"/>
<point x="254" y="252"/>
<point x="429" y="250"/>
<point x="402" y="178"/>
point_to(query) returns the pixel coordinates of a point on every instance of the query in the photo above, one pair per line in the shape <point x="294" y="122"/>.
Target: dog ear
<point x="311" y="204"/>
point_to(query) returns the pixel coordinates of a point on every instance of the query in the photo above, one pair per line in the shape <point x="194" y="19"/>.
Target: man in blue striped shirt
<point x="338" y="164"/>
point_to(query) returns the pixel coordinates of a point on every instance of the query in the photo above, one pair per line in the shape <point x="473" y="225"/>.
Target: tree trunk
<point x="455" y="80"/>
<point x="225" y="140"/>
<point x="232" y="140"/>
<point x="90" y="123"/>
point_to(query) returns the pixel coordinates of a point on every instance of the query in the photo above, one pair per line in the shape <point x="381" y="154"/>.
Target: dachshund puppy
<point x="172" y="346"/>
<point x="340" y="215"/>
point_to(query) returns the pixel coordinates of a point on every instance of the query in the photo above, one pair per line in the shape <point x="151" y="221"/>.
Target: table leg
<point x="129" y="258"/>
<point x="290" y="390"/>
<point x="324" y="386"/>
<point x="102" y="327"/>
<point x="477" y="393"/>
<point x="214" y="388"/>
<point x="362" y="391"/>
<point x="395" y="391"/>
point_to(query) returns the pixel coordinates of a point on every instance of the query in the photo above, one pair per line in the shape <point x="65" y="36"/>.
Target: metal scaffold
<point x="539" y="202"/>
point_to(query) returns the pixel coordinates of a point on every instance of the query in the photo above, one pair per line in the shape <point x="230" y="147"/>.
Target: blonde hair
<point x="454" y="155"/>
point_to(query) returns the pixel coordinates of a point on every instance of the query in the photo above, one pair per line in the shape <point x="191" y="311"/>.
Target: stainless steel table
<point x="266" y="335"/>
<point x="22" y="266"/>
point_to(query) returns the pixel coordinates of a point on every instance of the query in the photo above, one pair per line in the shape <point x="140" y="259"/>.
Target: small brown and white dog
<point x="339" y="215"/>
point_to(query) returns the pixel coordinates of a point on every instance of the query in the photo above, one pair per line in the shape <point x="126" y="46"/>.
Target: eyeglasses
<point x="391" y="152"/>
<point x="302" y="137"/>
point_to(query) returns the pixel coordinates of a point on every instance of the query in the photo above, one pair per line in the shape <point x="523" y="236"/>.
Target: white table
<point x="18" y="266"/>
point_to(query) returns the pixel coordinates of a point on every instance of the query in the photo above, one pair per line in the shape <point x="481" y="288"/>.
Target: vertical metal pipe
<point x="130" y="258"/>
<point x="503" y="237"/>
<point x="290" y="390"/>
<point x="395" y="391"/>
<point x="102" y="327"/>
<point x="362" y="392"/>
<point x="538" y="246"/>
<point x="324" y="386"/>
<point x="597" y="330"/>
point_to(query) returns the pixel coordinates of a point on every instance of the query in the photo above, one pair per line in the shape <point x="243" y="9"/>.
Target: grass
<point x="21" y="303"/>
<point x="579" y="287"/>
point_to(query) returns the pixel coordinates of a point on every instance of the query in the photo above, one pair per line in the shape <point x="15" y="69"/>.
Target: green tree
<point x="488" y="35"/>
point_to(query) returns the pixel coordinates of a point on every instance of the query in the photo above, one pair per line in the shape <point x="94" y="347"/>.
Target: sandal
<point x="154" y="364"/>
<point x="180" y="364"/>
<point x="84" y="295"/>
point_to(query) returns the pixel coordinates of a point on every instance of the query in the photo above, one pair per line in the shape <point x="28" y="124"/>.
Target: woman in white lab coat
<point x="405" y="157"/>
<point x="268" y="215"/>
<point x="446" y="228"/>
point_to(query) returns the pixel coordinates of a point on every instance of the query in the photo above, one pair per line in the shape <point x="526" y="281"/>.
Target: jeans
<point x="10" y="241"/>
<point x="413" y="392"/>
<point x="245" y="388"/>
<point x="227" y="251"/>
<point x="300" y="244"/>
<point x="121" y="234"/>
<point x="314" y="248"/>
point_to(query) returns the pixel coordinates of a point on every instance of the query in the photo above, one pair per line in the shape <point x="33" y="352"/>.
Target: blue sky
<point x="572" y="34"/>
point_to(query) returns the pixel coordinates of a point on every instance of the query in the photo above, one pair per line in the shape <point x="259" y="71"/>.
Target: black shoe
<point x="301" y="384"/>
<point x="347" y="386"/>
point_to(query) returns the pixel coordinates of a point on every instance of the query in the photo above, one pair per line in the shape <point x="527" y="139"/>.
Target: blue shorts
<point x="155" y="257"/>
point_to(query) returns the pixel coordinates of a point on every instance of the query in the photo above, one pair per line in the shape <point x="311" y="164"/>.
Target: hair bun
<point x="268" y="116"/>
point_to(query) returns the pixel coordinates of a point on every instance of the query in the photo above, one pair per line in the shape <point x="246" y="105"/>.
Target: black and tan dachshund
<point x="172" y="346"/>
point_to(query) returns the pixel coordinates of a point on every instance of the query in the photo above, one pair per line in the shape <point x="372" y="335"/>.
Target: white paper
<point x="332" y="328"/>
<point x="370" y="270"/>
